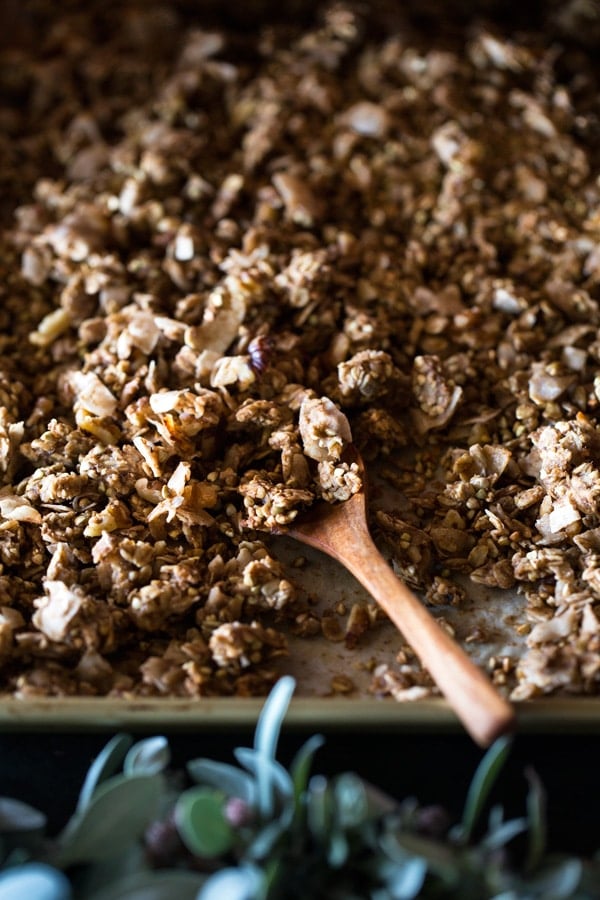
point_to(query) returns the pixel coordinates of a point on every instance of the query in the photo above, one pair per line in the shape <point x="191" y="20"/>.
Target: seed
<point x="342" y="684"/>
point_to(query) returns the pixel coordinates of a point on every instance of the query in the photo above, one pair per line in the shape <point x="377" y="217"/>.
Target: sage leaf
<point x="557" y="881"/>
<point x="318" y="807"/>
<point x="117" y="814"/>
<point x="34" y="881"/>
<point x="590" y="876"/>
<point x="496" y="817"/>
<point x="275" y="777"/>
<point x="17" y="816"/>
<point x="201" y="822"/>
<point x="272" y="715"/>
<point x="229" y="779"/>
<point x="266" y="737"/>
<point x="536" y="814"/>
<point x="351" y="803"/>
<point x="338" y="849"/>
<point x="407" y="879"/>
<point x="481" y="785"/>
<point x="244" y="883"/>
<point x="439" y="857"/>
<point x="161" y="885"/>
<point x="87" y="881"/>
<point x="264" y="840"/>
<point x="22" y="830"/>
<point x="106" y="764"/>
<point x="504" y="833"/>
<point x="148" y="757"/>
<point x="380" y="803"/>
<point x="302" y="764"/>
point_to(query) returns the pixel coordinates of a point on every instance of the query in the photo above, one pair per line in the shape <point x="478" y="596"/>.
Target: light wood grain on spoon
<point x="342" y="532"/>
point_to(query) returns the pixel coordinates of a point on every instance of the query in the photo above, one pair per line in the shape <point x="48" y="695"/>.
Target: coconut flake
<point x="57" y="609"/>
<point x="233" y="370"/>
<point x="367" y="119"/>
<point x="51" y="327"/>
<point x="92" y="394"/>
<point x="143" y="331"/>
<point x="555" y="629"/>
<point x="563" y="514"/>
<point x="18" y="509"/>
<point x="163" y="401"/>
<point x="183" y="247"/>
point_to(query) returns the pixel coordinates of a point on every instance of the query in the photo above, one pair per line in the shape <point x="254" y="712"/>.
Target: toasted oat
<point x="226" y="259"/>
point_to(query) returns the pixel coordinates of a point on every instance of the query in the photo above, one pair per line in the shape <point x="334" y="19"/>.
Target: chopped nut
<point x="300" y="202"/>
<point x="342" y="684"/>
<point x="324" y="429"/>
<point x="442" y="592"/>
<point x="359" y="622"/>
<point x="226" y="259"/>
<point x="332" y="628"/>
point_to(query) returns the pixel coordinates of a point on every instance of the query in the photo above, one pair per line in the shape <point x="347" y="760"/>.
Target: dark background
<point x="47" y="769"/>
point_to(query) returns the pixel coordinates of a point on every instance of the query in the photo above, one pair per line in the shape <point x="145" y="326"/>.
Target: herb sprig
<point x="257" y="831"/>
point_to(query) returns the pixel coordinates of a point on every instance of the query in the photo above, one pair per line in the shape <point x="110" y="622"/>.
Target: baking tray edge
<point x="555" y="714"/>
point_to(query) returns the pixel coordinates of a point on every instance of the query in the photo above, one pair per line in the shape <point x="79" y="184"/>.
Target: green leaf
<point x="22" y="830"/>
<point x="380" y="803"/>
<point x="504" y="833"/>
<point x="106" y="764"/>
<point x="351" y="802"/>
<point x="275" y="778"/>
<point x="272" y="715"/>
<point x="440" y="858"/>
<point x="117" y="814"/>
<point x="229" y="779"/>
<point x="34" y="881"/>
<point x="17" y="816"/>
<point x="557" y="881"/>
<point x="266" y="737"/>
<point x="318" y="807"/>
<point x="485" y="776"/>
<point x="148" y="757"/>
<point x="302" y="764"/>
<point x="406" y="880"/>
<point x="161" y="885"/>
<point x="282" y="792"/>
<point x="201" y="822"/>
<point x="496" y="817"/>
<point x="536" y="814"/>
<point x="265" y="839"/>
<point x="87" y="881"/>
<point x="247" y="882"/>
<point x="338" y="849"/>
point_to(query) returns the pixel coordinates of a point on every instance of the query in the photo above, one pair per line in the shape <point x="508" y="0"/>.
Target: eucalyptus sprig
<point x="257" y="831"/>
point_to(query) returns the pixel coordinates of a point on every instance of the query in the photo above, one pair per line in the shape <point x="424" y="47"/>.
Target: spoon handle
<point x="484" y="712"/>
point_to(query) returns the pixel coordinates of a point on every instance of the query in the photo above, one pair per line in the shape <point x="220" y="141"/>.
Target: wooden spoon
<point x="341" y="531"/>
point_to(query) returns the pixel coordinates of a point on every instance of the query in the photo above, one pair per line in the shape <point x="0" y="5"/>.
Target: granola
<point x="227" y="254"/>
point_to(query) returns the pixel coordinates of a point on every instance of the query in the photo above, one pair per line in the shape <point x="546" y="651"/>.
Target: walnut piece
<point x="227" y="255"/>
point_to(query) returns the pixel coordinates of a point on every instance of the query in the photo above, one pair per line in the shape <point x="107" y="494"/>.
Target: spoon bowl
<point x="341" y="531"/>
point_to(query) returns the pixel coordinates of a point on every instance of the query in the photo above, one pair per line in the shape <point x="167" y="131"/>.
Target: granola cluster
<point x="228" y="253"/>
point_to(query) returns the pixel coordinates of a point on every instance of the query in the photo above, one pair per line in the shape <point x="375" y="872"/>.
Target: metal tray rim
<point x="99" y="713"/>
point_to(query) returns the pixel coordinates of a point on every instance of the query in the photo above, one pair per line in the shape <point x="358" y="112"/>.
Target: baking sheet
<point x="313" y="663"/>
